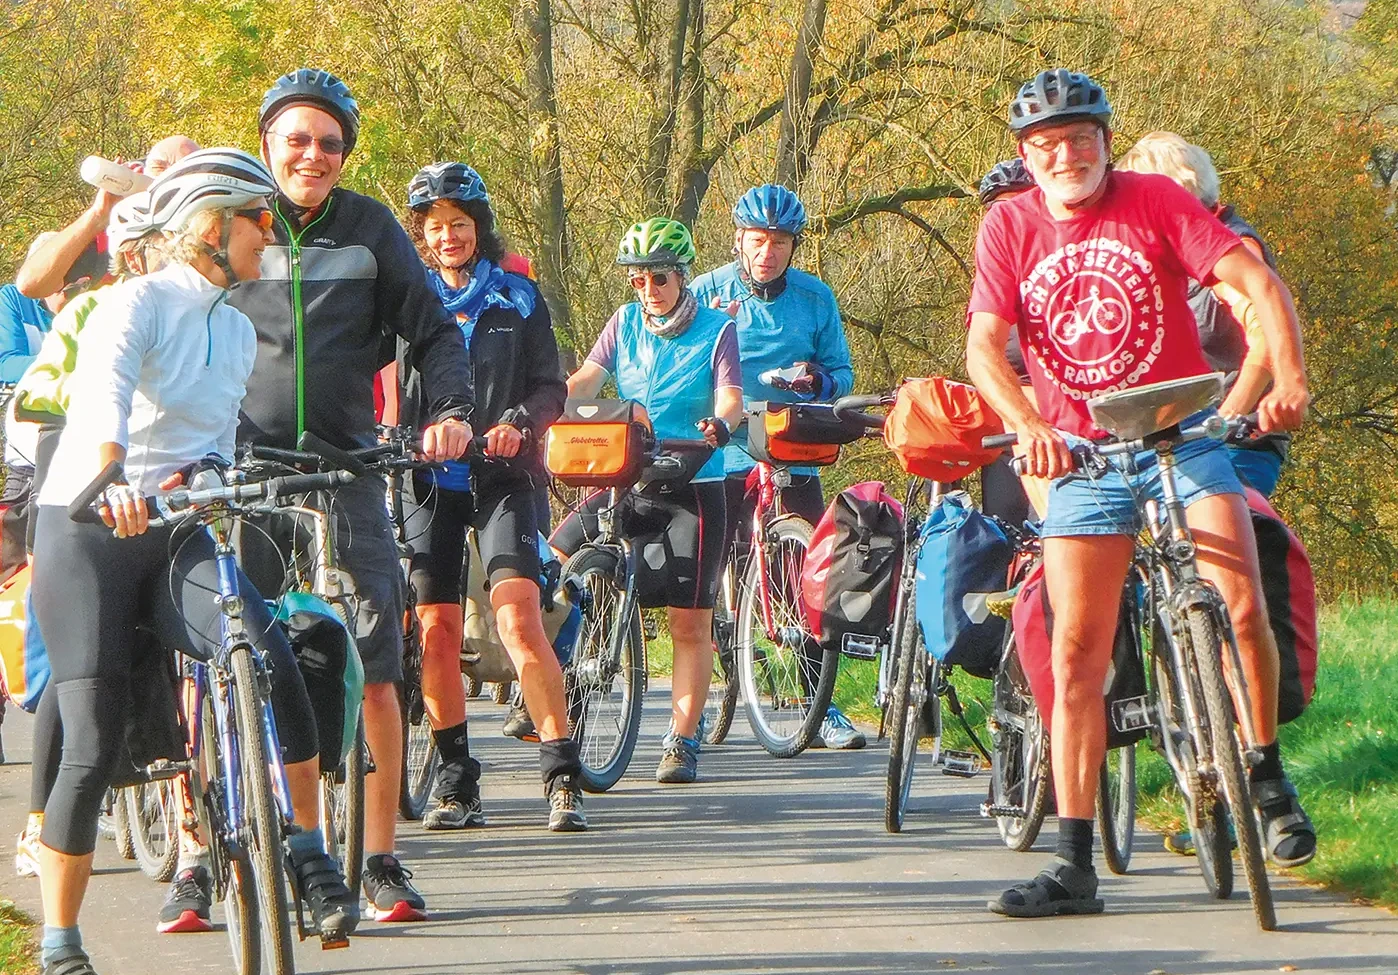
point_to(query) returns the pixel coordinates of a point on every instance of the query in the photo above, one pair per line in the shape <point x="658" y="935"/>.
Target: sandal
<point x="1064" y="888"/>
<point x="69" y="960"/>
<point x="1284" y="820"/>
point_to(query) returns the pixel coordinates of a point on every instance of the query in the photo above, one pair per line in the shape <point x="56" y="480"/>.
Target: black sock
<point x="559" y="764"/>
<point x="453" y="743"/>
<point x="1270" y="767"/>
<point x="1075" y="841"/>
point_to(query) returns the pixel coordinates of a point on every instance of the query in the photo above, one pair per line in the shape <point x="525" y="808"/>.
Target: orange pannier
<point x="935" y="429"/>
<point x="597" y="443"/>
<point x="802" y="434"/>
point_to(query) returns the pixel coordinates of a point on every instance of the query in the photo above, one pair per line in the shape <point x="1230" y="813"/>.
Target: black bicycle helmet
<point x="311" y="86"/>
<point x="1008" y="176"/>
<point x="1058" y="96"/>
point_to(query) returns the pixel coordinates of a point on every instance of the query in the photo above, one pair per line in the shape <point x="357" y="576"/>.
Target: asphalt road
<point x="762" y="866"/>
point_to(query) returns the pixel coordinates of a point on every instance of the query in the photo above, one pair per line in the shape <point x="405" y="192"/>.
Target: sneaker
<point x="566" y="810"/>
<point x="680" y="761"/>
<point x="837" y="732"/>
<point x="388" y="885"/>
<point x="187" y="902"/>
<point x="519" y="725"/>
<point x="27" y="848"/>
<point x="453" y="812"/>
<point x="334" y="908"/>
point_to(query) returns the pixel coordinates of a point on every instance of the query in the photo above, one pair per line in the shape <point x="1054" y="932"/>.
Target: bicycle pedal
<point x="963" y="765"/>
<point x="990" y="811"/>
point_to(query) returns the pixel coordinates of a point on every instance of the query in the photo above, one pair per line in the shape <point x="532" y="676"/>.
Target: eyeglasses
<point x="658" y="279"/>
<point x="1080" y="142"/>
<point x="260" y="216"/>
<point x="301" y="141"/>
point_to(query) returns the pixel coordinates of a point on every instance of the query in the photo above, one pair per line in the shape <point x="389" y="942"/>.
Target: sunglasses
<point x="301" y="141"/>
<point x="260" y="216"/>
<point x="657" y="278"/>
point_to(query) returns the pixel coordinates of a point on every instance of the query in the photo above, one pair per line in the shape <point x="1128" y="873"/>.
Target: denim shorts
<point x="1260" y="469"/>
<point x="1107" y="505"/>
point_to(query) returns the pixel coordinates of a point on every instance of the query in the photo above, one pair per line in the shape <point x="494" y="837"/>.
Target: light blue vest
<point x="672" y="378"/>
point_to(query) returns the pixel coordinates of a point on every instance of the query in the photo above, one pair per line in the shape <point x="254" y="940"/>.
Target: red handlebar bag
<point x="935" y="429"/>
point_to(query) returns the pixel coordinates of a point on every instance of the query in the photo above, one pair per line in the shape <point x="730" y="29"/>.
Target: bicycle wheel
<point x="150" y="809"/>
<point x="784" y="694"/>
<point x="1116" y="807"/>
<point x="604" y="696"/>
<point x="121" y="824"/>
<point x="1020" y="771"/>
<point x="473" y="688"/>
<point x="722" y="701"/>
<point x="342" y="811"/>
<point x="910" y="692"/>
<point x="262" y="834"/>
<point x="420" y="757"/>
<point x="1208" y="658"/>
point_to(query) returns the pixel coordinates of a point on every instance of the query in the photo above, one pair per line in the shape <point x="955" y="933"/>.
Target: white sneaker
<point x="27" y="850"/>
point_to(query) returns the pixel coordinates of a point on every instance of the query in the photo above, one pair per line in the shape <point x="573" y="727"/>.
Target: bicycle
<point x="1197" y="709"/>
<point x="236" y="781"/>
<point x="605" y="680"/>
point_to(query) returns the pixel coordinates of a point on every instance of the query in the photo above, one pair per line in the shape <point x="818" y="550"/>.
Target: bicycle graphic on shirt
<point x="1105" y="316"/>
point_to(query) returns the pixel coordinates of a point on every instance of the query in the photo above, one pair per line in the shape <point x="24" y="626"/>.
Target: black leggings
<point x="91" y="590"/>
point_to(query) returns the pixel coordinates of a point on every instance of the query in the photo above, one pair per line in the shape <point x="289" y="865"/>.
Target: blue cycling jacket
<point x="802" y="324"/>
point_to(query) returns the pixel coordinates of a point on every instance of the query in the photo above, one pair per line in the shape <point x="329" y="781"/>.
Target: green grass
<point x="858" y="680"/>
<point x="1342" y="754"/>
<point x="17" y="947"/>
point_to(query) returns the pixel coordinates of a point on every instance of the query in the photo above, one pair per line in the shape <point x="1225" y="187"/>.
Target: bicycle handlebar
<point x="1215" y="427"/>
<point x="853" y="407"/>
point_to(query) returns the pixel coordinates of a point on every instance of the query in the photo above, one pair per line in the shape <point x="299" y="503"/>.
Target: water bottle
<point x="112" y="177"/>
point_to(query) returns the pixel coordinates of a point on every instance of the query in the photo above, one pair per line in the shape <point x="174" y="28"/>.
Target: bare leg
<point x="442" y="691"/>
<point x="521" y="627"/>
<point x="383" y="728"/>
<point x="691" y="631"/>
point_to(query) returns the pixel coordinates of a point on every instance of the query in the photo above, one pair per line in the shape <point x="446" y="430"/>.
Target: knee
<point x="521" y="629"/>
<point x="1079" y="666"/>
<point x="442" y="627"/>
<point x="1248" y="614"/>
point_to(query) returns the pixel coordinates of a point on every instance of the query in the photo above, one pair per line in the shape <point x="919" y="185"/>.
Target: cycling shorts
<point x="679" y="531"/>
<point x="503" y="513"/>
<point x="1079" y="504"/>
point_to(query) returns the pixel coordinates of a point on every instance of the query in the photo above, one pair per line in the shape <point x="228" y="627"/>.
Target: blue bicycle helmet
<point x="1005" y="177"/>
<point x="1058" y="96"/>
<point x="770" y="207"/>
<point x="311" y="86"/>
<point x="446" y="181"/>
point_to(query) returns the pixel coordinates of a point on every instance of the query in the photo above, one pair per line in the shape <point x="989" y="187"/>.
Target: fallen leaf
<point x="1288" y="968"/>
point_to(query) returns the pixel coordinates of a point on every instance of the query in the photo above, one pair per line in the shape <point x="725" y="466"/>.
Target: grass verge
<point x="18" y="954"/>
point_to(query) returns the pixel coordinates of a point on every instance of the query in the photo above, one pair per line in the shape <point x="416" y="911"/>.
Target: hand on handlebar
<point x="1283" y="408"/>
<point x="445" y="441"/>
<point x="503" y="440"/>
<point x="124" y="511"/>
<point x="1045" y="452"/>
<point x="715" y="431"/>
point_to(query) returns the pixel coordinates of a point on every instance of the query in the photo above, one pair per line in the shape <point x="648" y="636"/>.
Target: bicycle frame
<point x="907" y="580"/>
<point x="609" y="538"/>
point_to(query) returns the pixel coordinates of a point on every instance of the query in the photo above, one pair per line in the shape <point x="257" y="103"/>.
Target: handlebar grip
<point x="305" y="483"/>
<point x="1000" y="441"/>
<point x="680" y="445"/>
<point x="292" y="458"/>
<point x="337" y="457"/>
<point x="80" y="508"/>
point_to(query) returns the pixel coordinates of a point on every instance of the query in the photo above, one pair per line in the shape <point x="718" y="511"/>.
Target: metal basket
<point x="1142" y="410"/>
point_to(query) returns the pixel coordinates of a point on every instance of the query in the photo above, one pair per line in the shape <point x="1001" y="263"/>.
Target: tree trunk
<point x="662" y="127"/>
<point x="791" y="139"/>
<point x="694" y="182"/>
<point x="546" y="149"/>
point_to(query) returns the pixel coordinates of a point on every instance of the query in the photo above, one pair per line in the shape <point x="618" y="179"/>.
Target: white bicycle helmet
<point x="204" y="180"/>
<point x="130" y="220"/>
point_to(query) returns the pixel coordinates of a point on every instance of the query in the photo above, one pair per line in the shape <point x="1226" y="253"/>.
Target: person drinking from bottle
<point x="678" y="358"/>
<point x="1092" y="267"/>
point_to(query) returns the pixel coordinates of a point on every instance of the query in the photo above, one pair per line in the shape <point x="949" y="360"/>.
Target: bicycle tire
<point x="240" y="916"/>
<point x="784" y="710"/>
<point x="121" y="824"/>
<point x="1116" y="808"/>
<point x="154" y="830"/>
<point x="420" y="760"/>
<point x="342" y="810"/>
<point x="1020" y="765"/>
<point x="264" y="837"/>
<point x="1208" y="659"/>
<point x="606" y="735"/>
<point x="913" y="668"/>
<point x="722" y="701"/>
<point x="473" y="687"/>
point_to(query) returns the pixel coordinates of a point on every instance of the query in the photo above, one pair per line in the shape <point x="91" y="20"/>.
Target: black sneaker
<point x="71" y="960"/>
<point x="334" y="907"/>
<point x="566" y="810"/>
<point x="388" y="885"/>
<point x="519" y="725"/>
<point x="187" y="902"/>
<point x="455" y="812"/>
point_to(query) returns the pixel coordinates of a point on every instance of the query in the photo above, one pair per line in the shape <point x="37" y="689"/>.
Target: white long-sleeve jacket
<point x="163" y="365"/>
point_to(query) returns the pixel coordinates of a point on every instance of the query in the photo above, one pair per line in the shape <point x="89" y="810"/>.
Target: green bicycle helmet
<point x="656" y="242"/>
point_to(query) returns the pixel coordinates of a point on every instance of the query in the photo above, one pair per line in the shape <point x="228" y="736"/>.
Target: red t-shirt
<point x="1100" y="300"/>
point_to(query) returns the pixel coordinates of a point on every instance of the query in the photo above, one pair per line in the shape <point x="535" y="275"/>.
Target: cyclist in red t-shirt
<point x="1092" y="268"/>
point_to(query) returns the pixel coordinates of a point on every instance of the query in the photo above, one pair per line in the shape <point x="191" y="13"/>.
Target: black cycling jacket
<point x="331" y="301"/>
<point x="517" y="373"/>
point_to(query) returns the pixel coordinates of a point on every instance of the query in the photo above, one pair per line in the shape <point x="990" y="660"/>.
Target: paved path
<point x="763" y="866"/>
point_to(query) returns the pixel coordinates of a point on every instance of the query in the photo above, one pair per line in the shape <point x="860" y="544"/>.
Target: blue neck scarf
<point x="486" y="289"/>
